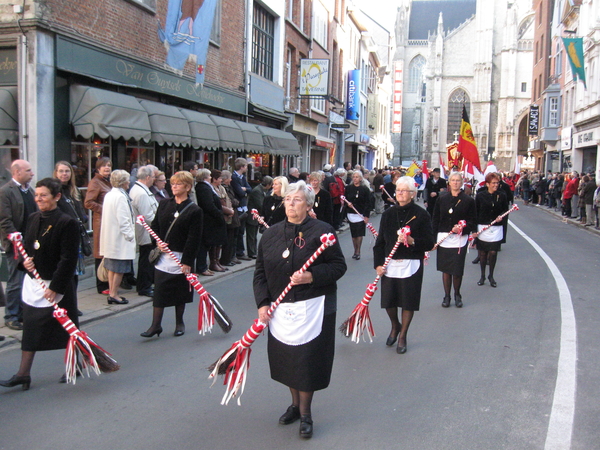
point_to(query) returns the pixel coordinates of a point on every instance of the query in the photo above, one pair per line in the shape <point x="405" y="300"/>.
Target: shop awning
<point x="9" y="121"/>
<point x="230" y="135"/>
<point x="107" y="113"/>
<point x="203" y="131"/>
<point x="279" y="142"/>
<point x="167" y="123"/>
<point x="253" y="139"/>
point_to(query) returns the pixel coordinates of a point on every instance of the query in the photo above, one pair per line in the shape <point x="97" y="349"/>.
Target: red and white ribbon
<point x="382" y="187"/>
<point x="369" y="225"/>
<point x="260" y="219"/>
<point x="236" y="360"/>
<point x="473" y="236"/>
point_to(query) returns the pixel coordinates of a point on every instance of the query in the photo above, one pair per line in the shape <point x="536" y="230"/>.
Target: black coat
<point x="323" y="206"/>
<point x="274" y="209"/>
<point x="463" y="208"/>
<point x="186" y="234"/>
<point x="360" y="197"/>
<point x="273" y="271"/>
<point x="215" y="228"/>
<point x="395" y="218"/>
<point x="490" y="206"/>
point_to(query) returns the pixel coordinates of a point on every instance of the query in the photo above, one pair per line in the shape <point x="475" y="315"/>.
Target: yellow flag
<point x="412" y="169"/>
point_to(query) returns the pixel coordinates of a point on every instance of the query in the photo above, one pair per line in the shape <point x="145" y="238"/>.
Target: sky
<point x="383" y="11"/>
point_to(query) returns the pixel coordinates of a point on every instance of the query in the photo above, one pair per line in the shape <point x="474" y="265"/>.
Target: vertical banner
<point x="353" y="95"/>
<point x="574" y="49"/>
<point x="534" y="114"/>
<point x="397" y="105"/>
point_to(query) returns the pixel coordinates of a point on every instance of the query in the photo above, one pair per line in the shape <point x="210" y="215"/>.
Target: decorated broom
<point x="235" y="362"/>
<point x="82" y="353"/>
<point x="494" y="222"/>
<point x="369" y="224"/>
<point x="260" y="219"/>
<point x="208" y="305"/>
<point x="359" y="321"/>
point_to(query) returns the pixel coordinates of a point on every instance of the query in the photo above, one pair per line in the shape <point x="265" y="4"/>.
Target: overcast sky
<point x="383" y="11"/>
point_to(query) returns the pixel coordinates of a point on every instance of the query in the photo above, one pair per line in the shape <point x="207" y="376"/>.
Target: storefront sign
<point x="534" y="114"/>
<point x="87" y="60"/>
<point x="565" y="138"/>
<point x="8" y="66"/>
<point x="353" y="95"/>
<point x="304" y="125"/>
<point x="586" y="138"/>
<point x="397" y="105"/>
<point x="314" y="77"/>
<point x="325" y="144"/>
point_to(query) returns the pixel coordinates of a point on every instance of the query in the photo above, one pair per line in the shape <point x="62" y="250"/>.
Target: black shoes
<point x="481" y="281"/>
<point x="14" y="324"/>
<point x="401" y="348"/>
<point x="457" y="300"/>
<point x="391" y="340"/>
<point x="356" y="256"/>
<point x="446" y="301"/>
<point x="16" y="380"/>
<point x="179" y="330"/>
<point x="116" y="301"/>
<point x="290" y="416"/>
<point x="150" y="333"/>
<point x="476" y="260"/>
<point x="492" y="281"/>
<point x="306" y="427"/>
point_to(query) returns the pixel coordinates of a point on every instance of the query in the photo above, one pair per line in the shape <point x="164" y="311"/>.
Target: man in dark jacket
<point x="241" y="189"/>
<point x="255" y="201"/>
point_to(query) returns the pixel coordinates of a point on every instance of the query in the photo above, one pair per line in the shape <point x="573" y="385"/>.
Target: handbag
<point x="86" y="242"/>
<point x="155" y="253"/>
<point x="102" y="272"/>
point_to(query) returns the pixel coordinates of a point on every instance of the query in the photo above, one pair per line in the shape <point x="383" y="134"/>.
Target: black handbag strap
<point x="175" y="220"/>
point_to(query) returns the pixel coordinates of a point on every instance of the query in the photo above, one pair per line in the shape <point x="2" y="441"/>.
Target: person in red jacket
<point x="569" y="192"/>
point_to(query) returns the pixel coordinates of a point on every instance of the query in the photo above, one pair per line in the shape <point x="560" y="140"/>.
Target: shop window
<point x="138" y="155"/>
<point x="215" y="32"/>
<point x="84" y="156"/>
<point x="174" y="162"/>
<point x="206" y="160"/>
<point x="263" y="38"/>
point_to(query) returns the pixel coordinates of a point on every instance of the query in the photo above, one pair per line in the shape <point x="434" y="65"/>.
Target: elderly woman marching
<point x="359" y="197"/>
<point x="117" y="234"/>
<point x="401" y="282"/>
<point x="300" y="350"/>
<point x="452" y="207"/>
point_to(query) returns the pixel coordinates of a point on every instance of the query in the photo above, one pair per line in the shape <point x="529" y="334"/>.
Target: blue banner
<point x="353" y="95"/>
<point x="574" y="49"/>
<point x="187" y="32"/>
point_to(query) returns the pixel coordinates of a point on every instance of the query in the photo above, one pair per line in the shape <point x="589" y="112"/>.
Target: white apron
<point x="453" y="241"/>
<point x="354" y="218"/>
<point x="298" y="323"/>
<point x="33" y="294"/>
<point x="402" y="268"/>
<point x="494" y="233"/>
<point x="167" y="265"/>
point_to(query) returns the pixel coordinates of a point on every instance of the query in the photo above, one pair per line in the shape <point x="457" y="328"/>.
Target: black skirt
<point x="358" y="229"/>
<point x="305" y="367"/>
<point x="488" y="246"/>
<point x="171" y="290"/>
<point x="449" y="260"/>
<point x="402" y="293"/>
<point x="41" y="331"/>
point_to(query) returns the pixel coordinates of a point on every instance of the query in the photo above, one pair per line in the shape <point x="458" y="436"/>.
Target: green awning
<point x="167" y="123"/>
<point x="279" y="142"/>
<point x="230" y="135"/>
<point x="9" y="119"/>
<point x="203" y="131"/>
<point x="253" y="139"/>
<point x="107" y="113"/>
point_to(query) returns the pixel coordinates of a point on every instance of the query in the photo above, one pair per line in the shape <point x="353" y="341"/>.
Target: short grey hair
<point x="204" y="174"/>
<point x="456" y="174"/>
<point x="119" y="178"/>
<point x="225" y="175"/>
<point x="301" y="186"/>
<point x="407" y="181"/>
<point x="341" y="172"/>
<point x="145" y="172"/>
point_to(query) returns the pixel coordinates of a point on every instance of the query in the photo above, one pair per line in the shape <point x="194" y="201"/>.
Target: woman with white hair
<point x="359" y="197"/>
<point x="273" y="207"/>
<point x="401" y="282"/>
<point x="117" y="234"/>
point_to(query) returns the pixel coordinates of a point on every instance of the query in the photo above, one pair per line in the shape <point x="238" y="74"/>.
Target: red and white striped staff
<point x="369" y="224"/>
<point x="382" y="187"/>
<point x="91" y="355"/>
<point x="235" y="362"/>
<point x="494" y="222"/>
<point x="461" y="224"/>
<point x="359" y="321"/>
<point x="260" y="219"/>
<point x="208" y="305"/>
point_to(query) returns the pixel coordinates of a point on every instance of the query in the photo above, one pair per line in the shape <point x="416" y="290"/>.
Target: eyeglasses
<point x="403" y="191"/>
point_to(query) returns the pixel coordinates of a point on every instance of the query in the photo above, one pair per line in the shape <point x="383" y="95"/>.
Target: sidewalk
<point x="94" y="306"/>
<point x="558" y="215"/>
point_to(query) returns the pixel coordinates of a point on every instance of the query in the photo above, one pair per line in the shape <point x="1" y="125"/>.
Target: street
<point x="480" y="377"/>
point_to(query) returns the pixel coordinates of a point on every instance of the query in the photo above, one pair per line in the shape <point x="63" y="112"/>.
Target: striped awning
<point x="279" y="142"/>
<point x="203" y="131"/>
<point x="253" y="139"/>
<point x="230" y="135"/>
<point x="169" y="126"/>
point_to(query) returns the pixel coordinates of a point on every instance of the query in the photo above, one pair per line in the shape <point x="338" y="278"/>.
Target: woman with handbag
<point x="70" y="203"/>
<point x="178" y="223"/>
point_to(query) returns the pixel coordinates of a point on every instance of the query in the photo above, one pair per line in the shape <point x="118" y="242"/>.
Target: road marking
<point x="560" y="427"/>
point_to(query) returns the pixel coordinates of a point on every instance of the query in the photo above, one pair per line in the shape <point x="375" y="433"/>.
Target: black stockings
<point x="303" y="400"/>
<point x="448" y="280"/>
<point x="487" y="258"/>
<point x="406" y="319"/>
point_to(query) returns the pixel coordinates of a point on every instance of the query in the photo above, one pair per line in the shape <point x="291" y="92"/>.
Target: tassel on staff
<point x="369" y="224"/>
<point x="82" y="353"/>
<point x="235" y="362"/>
<point x="359" y="321"/>
<point x="208" y="305"/>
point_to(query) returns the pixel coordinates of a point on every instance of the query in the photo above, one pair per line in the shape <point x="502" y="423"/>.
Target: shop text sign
<point x="314" y="76"/>
<point x="534" y="115"/>
<point x="8" y="66"/>
<point x="353" y="95"/>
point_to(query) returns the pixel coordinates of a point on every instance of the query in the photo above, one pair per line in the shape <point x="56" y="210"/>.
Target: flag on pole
<point x="412" y="169"/>
<point x="442" y="168"/>
<point x="491" y="167"/>
<point x="574" y="49"/>
<point x="518" y="164"/>
<point x="466" y="141"/>
<point x="425" y="172"/>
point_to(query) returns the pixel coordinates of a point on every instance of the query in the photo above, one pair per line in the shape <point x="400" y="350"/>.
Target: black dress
<point x="489" y="207"/>
<point x="305" y="366"/>
<point x="404" y="293"/>
<point x="274" y="209"/>
<point x="448" y="211"/>
<point x="323" y="206"/>
<point x="360" y="197"/>
<point x="55" y="259"/>
<point x="171" y="288"/>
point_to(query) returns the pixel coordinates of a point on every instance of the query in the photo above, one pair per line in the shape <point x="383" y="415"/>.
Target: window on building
<point x="558" y="60"/>
<point x="523" y="87"/>
<point x="263" y="38"/>
<point x="318" y="104"/>
<point x="415" y="73"/>
<point x="457" y="99"/>
<point x="215" y="32"/>
<point x="149" y="5"/>
<point x="320" y="23"/>
<point x="554" y="116"/>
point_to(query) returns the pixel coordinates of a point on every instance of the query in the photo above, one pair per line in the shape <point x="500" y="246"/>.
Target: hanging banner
<point x="534" y="114"/>
<point x="353" y="95"/>
<point x="574" y="49"/>
<point x="314" y="77"/>
<point x="397" y="105"/>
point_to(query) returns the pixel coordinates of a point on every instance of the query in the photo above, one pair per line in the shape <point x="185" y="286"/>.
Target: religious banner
<point x="574" y="49"/>
<point x="187" y="32"/>
<point x="455" y="158"/>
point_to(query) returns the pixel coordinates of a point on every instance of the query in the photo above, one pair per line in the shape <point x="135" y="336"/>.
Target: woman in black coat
<point x="452" y="207"/>
<point x="359" y="197"/>
<point x="178" y="223"/>
<point x="300" y="351"/>
<point x="323" y="207"/>
<point x="273" y="207"/>
<point x="490" y="203"/>
<point x="49" y="243"/>
<point x="401" y="282"/>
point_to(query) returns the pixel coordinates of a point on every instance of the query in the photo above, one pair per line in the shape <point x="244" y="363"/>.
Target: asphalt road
<point x="480" y="377"/>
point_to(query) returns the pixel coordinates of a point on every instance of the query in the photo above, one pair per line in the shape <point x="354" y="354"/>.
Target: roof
<point x="424" y="15"/>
